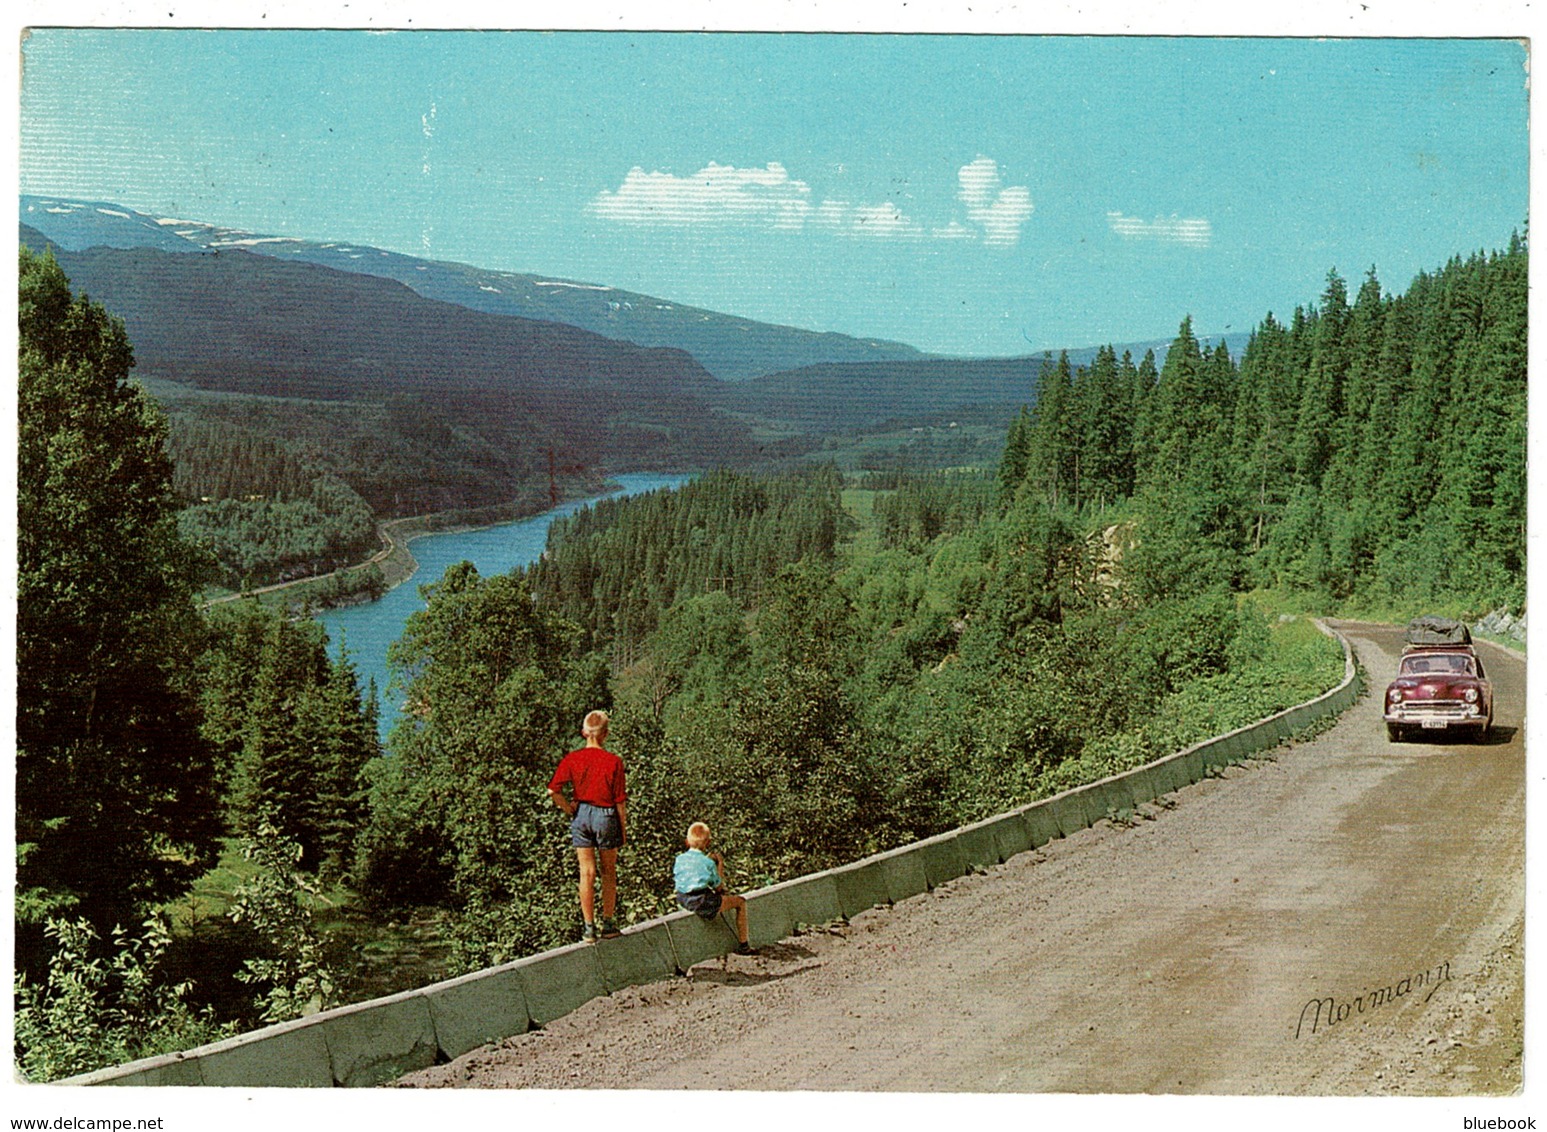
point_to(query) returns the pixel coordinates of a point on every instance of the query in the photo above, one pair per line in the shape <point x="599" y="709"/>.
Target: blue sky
<point x="967" y="194"/>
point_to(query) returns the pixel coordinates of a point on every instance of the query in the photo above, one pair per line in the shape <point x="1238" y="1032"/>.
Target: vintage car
<point x="1440" y="686"/>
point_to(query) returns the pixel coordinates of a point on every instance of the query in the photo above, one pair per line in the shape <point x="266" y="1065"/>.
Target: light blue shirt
<point x="694" y="870"/>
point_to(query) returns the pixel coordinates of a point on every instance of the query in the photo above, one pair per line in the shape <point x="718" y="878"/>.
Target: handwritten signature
<point x="1329" y="1011"/>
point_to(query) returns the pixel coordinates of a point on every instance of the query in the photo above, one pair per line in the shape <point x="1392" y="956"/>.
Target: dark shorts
<point x="704" y="901"/>
<point x="594" y="827"/>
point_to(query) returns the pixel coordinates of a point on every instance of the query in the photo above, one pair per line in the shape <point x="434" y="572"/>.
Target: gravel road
<point x="1343" y="917"/>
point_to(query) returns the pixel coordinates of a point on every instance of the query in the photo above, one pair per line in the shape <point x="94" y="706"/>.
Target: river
<point x="367" y="630"/>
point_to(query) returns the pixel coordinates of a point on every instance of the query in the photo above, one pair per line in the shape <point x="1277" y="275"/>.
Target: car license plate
<point x="1434" y="724"/>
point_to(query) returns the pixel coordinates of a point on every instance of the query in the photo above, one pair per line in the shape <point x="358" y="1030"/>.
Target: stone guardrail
<point x="373" y="1042"/>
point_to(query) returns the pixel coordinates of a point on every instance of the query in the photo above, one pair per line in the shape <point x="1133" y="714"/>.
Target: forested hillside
<point x="308" y="402"/>
<point x="617" y="567"/>
<point x="1369" y="450"/>
<point x="818" y="667"/>
<point x="276" y="486"/>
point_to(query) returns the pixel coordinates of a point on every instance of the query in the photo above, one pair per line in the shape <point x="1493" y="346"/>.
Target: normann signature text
<point x="1323" y="1013"/>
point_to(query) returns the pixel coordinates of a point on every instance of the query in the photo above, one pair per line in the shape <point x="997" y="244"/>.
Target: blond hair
<point x="595" y="723"/>
<point x="698" y="835"/>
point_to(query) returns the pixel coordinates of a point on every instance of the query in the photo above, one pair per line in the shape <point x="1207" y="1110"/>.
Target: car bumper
<point x="1460" y="717"/>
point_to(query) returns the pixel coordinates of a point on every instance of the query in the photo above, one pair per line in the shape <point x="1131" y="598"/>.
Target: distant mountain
<point x="729" y="347"/>
<point x="238" y="322"/>
<point x="832" y="398"/>
<point x="840" y="397"/>
<point x="293" y="318"/>
<point x="77" y="225"/>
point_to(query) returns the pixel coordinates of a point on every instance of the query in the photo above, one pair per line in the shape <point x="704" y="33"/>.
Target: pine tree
<point x="1185" y="413"/>
<point x="1017" y="454"/>
<point x="1052" y="461"/>
<point x="1266" y="406"/>
<point x="115" y="789"/>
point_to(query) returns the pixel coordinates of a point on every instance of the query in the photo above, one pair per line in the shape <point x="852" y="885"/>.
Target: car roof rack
<point x="1436" y="632"/>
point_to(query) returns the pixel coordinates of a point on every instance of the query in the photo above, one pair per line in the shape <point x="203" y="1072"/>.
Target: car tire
<point x="1393" y="733"/>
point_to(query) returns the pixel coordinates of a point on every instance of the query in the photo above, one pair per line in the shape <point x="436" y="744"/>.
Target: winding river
<point x="367" y="630"/>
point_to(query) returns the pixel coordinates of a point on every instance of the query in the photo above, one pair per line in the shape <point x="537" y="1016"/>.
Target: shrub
<point x="292" y="978"/>
<point x="96" y="1010"/>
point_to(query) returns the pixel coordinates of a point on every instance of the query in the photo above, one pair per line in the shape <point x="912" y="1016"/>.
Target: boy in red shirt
<point x="597" y="816"/>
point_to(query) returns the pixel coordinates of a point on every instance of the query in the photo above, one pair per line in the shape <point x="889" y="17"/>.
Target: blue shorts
<point x="595" y="827"/>
<point x="702" y="901"/>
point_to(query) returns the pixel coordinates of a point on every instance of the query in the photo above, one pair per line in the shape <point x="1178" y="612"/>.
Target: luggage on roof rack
<point x="1429" y="631"/>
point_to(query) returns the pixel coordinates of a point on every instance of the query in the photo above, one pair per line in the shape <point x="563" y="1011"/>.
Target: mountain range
<point x="729" y="347"/>
<point x="607" y="377"/>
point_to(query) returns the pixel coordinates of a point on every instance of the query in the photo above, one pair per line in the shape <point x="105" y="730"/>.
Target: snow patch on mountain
<point x="253" y="241"/>
<point x="571" y="286"/>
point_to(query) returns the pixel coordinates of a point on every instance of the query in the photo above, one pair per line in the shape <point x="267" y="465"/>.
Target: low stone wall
<point x="373" y="1042"/>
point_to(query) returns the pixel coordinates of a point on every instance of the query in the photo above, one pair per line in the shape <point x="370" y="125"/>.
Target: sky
<point x="989" y="194"/>
<point x="967" y="194"/>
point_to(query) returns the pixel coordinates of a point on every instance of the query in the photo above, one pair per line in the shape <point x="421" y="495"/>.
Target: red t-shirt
<point x="596" y="774"/>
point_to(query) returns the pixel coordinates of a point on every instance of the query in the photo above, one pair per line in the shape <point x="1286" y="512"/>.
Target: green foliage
<point x="698" y="650"/>
<point x="1043" y="567"/>
<point x="292" y="978"/>
<point x="919" y="509"/>
<point x="403" y="856"/>
<point x="292" y="729"/>
<point x="406" y="455"/>
<point x="616" y="567"/>
<point x="258" y="540"/>
<point x="1365" y="452"/>
<point x="1415" y="496"/>
<point x="1267" y="672"/>
<point x="221" y="459"/>
<point x="95" y="1010"/>
<point x="496" y="688"/>
<point x="116" y="807"/>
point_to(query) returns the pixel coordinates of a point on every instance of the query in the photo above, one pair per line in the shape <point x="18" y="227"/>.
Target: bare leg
<point x="738" y="903"/>
<point x="587" y="858"/>
<point x="609" y="882"/>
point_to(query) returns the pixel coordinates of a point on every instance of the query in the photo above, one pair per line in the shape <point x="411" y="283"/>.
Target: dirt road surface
<point x="1345" y="917"/>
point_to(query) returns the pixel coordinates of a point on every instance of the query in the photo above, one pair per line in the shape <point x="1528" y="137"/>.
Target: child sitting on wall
<point x="700" y="888"/>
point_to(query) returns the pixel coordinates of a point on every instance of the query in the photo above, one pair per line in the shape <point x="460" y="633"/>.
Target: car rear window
<point x="1444" y="665"/>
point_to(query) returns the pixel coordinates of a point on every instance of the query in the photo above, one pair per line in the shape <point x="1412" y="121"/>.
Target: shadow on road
<point x="745" y="978"/>
<point x="778" y="952"/>
<point x="1497" y="737"/>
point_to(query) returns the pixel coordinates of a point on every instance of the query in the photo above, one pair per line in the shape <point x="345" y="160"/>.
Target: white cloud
<point x="725" y="195"/>
<point x="1195" y="232"/>
<point x="832" y="213"/>
<point x="716" y="194"/>
<point x="999" y="211"/>
<point x="979" y="181"/>
<point x="769" y="197"/>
